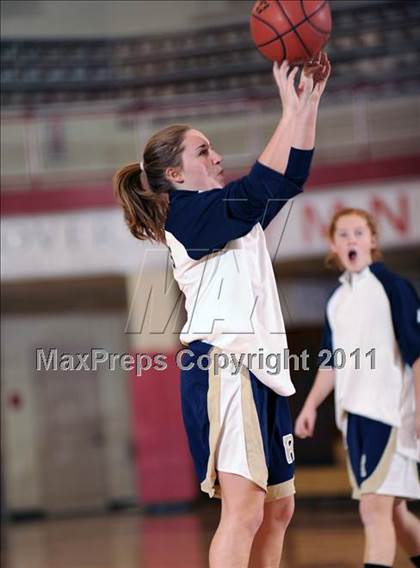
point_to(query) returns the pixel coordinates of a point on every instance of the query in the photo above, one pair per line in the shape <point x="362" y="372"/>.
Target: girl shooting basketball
<point x="238" y="424"/>
<point x="377" y="399"/>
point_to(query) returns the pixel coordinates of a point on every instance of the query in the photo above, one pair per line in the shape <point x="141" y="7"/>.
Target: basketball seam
<point x="316" y="28"/>
<point x="305" y="19"/>
<point x="272" y="28"/>
<point x="283" y="47"/>
<point x="293" y="28"/>
<point x="278" y="36"/>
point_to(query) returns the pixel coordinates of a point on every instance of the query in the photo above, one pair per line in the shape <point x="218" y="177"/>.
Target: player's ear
<point x="333" y="246"/>
<point x="174" y="175"/>
<point x="374" y="241"/>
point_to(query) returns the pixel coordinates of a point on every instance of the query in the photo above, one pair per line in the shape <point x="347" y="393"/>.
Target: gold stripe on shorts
<point x="213" y="410"/>
<point x="280" y="490"/>
<point x="253" y="440"/>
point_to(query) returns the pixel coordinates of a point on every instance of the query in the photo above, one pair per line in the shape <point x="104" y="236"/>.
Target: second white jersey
<point x="371" y="318"/>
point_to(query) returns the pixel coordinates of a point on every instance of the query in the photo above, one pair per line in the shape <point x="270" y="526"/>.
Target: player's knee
<point x="282" y="511"/>
<point x="248" y="518"/>
<point x="248" y="523"/>
<point x="371" y="510"/>
<point x="254" y="519"/>
<point x="399" y="511"/>
<point x="368" y="510"/>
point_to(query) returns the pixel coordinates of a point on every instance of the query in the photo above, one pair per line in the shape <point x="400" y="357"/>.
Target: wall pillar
<point x="164" y="469"/>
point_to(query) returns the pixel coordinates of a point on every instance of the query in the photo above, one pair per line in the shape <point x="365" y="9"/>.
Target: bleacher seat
<point x="375" y="44"/>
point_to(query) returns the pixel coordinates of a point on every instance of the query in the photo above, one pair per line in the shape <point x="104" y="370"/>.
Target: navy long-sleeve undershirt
<point x="205" y="221"/>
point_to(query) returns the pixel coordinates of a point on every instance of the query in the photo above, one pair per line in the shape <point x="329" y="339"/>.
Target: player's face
<point x="201" y="165"/>
<point x="353" y="242"/>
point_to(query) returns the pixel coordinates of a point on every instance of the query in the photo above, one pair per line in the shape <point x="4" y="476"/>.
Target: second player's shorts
<point x="374" y="464"/>
<point x="236" y="424"/>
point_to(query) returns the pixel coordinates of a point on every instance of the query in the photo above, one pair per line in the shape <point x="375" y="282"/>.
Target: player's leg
<point x="241" y="516"/>
<point x="371" y="449"/>
<point x="376" y="512"/>
<point x="407" y="527"/>
<point x="268" y="543"/>
<point x="278" y="510"/>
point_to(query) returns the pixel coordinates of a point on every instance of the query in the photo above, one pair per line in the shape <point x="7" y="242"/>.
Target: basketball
<point x="290" y="29"/>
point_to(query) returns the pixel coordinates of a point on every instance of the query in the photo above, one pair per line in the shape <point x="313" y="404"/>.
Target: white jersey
<point x="223" y="267"/>
<point x="372" y="329"/>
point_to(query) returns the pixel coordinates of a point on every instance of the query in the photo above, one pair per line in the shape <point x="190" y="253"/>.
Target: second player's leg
<point x="268" y="543"/>
<point x="407" y="527"/>
<point x="241" y="517"/>
<point x="376" y="512"/>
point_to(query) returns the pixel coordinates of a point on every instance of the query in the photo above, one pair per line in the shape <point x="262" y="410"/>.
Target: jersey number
<point x="288" y="448"/>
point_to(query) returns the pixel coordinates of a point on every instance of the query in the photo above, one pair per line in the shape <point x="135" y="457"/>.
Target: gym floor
<point x="321" y="536"/>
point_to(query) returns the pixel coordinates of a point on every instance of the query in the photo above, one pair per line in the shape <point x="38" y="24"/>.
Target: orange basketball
<point x="295" y="30"/>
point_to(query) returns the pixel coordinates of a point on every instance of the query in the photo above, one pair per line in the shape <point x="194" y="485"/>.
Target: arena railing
<point x="80" y="145"/>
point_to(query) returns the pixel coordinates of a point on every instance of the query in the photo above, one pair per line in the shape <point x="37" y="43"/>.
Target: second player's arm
<point x="416" y="379"/>
<point x="322" y="387"/>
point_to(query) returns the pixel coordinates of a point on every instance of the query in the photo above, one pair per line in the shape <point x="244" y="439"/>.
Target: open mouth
<point x="352" y="255"/>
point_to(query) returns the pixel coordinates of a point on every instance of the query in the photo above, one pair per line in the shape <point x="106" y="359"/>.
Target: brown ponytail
<point x="144" y="210"/>
<point x="143" y="195"/>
